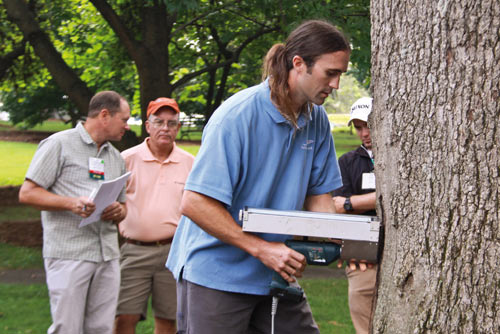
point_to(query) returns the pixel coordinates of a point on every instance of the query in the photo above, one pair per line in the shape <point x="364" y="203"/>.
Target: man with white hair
<point x="154" y="191"/>
<point x="357" y="196"/>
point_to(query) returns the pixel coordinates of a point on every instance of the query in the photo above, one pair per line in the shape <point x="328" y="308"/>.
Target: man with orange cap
<point x="154" y="191"/>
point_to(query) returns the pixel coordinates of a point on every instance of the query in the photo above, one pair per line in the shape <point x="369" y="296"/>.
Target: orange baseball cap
<point x="162" y="102"/>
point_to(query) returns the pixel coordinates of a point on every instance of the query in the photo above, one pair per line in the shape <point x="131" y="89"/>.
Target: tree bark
<point x="436" y="89"/>
<point x="65" y="77"/>
<point x="150" y="54"/>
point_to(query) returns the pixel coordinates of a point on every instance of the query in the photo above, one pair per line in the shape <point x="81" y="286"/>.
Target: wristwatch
<point x="348" y="205"/>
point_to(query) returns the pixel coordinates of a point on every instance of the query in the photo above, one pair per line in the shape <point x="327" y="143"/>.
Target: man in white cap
<point x="357" y="196"/>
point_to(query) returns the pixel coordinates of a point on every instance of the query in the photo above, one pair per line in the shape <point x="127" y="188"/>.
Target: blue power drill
<point x="316" y="253"/>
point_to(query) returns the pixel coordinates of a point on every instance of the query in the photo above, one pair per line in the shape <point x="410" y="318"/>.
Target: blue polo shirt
<point x="251" y="156"/>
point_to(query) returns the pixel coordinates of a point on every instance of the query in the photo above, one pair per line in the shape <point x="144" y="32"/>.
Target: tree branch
<point x="194" y="74"/>
<point x="114" y="21"/>
<point x="246" y="18"/>
<point x="254" y="37"/>
<point x="8" y="60"/>
<point x="221" y="45"/>
<point x="202" y="15"/>
<point x="229" y="61"/>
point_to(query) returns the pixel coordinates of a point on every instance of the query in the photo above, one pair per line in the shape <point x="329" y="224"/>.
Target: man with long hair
<point x="268" y="146"/>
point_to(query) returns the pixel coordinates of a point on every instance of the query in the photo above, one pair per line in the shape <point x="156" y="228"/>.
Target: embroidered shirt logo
<point x="308" y="145"/>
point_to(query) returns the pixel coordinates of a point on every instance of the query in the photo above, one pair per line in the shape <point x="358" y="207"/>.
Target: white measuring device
<point x="359" y="234"/>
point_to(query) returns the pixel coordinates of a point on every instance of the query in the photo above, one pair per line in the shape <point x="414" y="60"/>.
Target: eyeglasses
<point x="159" y="124"/>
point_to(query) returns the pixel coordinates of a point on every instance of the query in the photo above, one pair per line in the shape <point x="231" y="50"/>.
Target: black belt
<point x="150" y="243"/>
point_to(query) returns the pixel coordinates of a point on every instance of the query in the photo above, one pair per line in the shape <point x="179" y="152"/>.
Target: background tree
<point x="197" y="51"/>
<point x="64" y="75"/>
<point x="436" y="88"/>
<point x="34" y="87"/>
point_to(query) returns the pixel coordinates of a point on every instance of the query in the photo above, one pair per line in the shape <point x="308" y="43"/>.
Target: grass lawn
<point x="15" y="161"/>
<point x="191" y="148"/>
<point x="13" y="257"/>
<point x="19" y="155"/>
<point x="18" y="213"/>
<point x="344" y="141"/>
<point x="339" y="119"/>
<point x="17" y="158"/>
<point x="25" y="308"/>
<point x="329" y="304"/>
<point x="47" y="126"/>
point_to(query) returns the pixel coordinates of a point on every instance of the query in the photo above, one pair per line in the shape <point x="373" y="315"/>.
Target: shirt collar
<point x="275" y="113"/>
<point x="86" y="138"/>
<point x="361" y="150"/>
<point x="147" y="155"/>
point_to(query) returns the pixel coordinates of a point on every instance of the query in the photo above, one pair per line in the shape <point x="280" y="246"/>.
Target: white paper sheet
<point x="103" y="196"/>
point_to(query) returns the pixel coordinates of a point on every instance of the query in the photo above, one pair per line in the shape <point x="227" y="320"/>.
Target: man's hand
<point x="339" y="201"/>
<point x="82" y="206"/>
<point x="360" y="203"/>
<point x="115" y="212"/>
<point x="363" y="265"/>
<point x="282" y="259"/>
<point x="352" y="265"/>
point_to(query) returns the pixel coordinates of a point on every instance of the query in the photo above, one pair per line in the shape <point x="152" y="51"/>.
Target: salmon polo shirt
<point x="154" y="192"/>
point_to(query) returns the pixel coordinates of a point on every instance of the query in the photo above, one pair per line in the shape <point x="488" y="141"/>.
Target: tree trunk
<point x="435" y="80"/>
<point x="220" y="91"/>
<point x="152" y="84"/>
<point x="150" y="53"/>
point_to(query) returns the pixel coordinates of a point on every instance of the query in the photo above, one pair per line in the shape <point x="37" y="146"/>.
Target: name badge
<point x="368" y="181"/>
<point x="96" y="168"/>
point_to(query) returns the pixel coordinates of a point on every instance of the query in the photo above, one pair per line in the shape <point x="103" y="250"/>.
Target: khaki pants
<point x="83" y="295"/>
<point x="361" y="293"/>
<point x="143" y="274"/>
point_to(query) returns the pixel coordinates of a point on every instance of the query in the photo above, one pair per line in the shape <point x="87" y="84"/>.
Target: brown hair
<point x="310" y="40"/>
<point x="107" y="99"/>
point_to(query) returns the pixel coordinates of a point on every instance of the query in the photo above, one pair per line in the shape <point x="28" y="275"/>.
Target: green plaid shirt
<point x="61" y="166"/>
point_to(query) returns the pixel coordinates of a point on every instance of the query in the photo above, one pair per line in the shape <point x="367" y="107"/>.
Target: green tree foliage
<point x="33" y="106"/>
<point x="84" y="41"/>
<point x="198" y="52"/>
